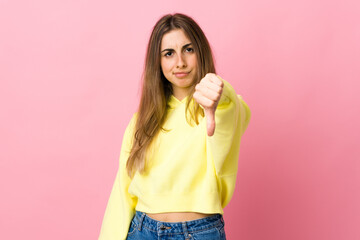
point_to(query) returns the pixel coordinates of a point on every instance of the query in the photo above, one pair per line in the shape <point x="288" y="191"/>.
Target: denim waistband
<point x="177" y="227"/>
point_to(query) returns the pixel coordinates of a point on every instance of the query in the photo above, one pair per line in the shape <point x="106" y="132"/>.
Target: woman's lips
<point x="181" y="74"/>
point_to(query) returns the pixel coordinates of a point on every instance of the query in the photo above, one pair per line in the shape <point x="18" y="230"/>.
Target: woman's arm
<point x="227" y="116"/>
<point x="121" y="205"/>
<point x="232" y="117"/>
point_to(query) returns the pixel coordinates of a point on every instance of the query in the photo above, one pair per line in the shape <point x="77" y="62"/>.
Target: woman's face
<point x="178" y="62"/>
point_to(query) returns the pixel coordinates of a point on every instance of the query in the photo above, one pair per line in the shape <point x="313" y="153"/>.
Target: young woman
<point x="179" y="156"/>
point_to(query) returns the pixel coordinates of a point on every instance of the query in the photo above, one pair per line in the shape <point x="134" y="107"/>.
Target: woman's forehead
<point x="174" y="39"/>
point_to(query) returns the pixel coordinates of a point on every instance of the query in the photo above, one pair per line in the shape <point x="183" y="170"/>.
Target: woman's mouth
<point x="181" y="74"/>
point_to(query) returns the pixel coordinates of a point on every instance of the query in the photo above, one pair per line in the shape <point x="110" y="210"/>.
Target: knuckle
<point x="209" y="75"/>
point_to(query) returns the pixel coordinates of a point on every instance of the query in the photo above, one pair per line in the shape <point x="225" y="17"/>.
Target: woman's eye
<point x="168" y="54"/>
<point x="189" y="49"/>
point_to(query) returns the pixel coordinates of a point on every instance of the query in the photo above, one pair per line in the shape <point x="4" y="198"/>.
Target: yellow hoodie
<point x="188" y="171"/>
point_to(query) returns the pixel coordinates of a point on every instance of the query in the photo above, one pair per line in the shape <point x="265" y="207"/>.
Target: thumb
<point x="210" y="121"/>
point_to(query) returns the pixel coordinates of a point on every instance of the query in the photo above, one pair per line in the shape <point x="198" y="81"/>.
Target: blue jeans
<point x="143" y="227"/>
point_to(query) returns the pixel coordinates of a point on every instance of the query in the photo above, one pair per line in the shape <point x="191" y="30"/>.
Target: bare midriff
<point x="178" y="216"/>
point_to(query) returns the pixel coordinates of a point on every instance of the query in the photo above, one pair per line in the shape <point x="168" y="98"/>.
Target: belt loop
<point x="142" y="216"/>
<point x="185" y="230"/>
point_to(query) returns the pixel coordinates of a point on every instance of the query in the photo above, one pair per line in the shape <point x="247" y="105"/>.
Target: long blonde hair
<point x="156" y="89"/>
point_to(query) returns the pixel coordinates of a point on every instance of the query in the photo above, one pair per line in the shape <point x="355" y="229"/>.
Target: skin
<point x="208" y="93"/>
<point x="177" y="55"/>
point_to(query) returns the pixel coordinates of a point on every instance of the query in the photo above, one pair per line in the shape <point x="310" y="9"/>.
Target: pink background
<point x="70" y="74"/>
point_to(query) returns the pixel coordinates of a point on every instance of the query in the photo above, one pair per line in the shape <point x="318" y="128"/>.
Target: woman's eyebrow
<point x="170" y="49"/>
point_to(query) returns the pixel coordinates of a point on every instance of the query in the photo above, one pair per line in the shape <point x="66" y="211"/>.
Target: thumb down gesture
<point x="208" y="93"/>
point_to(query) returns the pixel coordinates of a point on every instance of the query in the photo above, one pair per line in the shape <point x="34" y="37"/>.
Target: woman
<point x="178" y="160"/>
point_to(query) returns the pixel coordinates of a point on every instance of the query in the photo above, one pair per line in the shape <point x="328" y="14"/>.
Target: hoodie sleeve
<point x="232" y="117"/>
<point x="121" y="205"/>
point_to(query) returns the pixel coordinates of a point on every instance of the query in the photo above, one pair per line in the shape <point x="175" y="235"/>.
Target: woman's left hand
<point x="208" y="93"/>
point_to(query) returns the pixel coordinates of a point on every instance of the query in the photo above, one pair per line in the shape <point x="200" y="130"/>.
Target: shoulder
<point x="133" y="120"/>
<point x="131" y="124"/>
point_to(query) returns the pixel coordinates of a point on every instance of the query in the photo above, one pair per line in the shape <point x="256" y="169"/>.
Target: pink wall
<point x="70" y="74"/>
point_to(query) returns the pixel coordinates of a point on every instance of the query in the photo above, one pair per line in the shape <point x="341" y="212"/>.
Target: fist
<point x="208" y="93"/>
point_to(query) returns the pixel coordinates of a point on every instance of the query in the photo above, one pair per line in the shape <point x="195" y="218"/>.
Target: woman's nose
<point x="181" y="63"/>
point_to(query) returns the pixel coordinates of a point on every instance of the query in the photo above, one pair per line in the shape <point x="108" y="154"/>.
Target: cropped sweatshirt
<point x="188" y="171"/>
